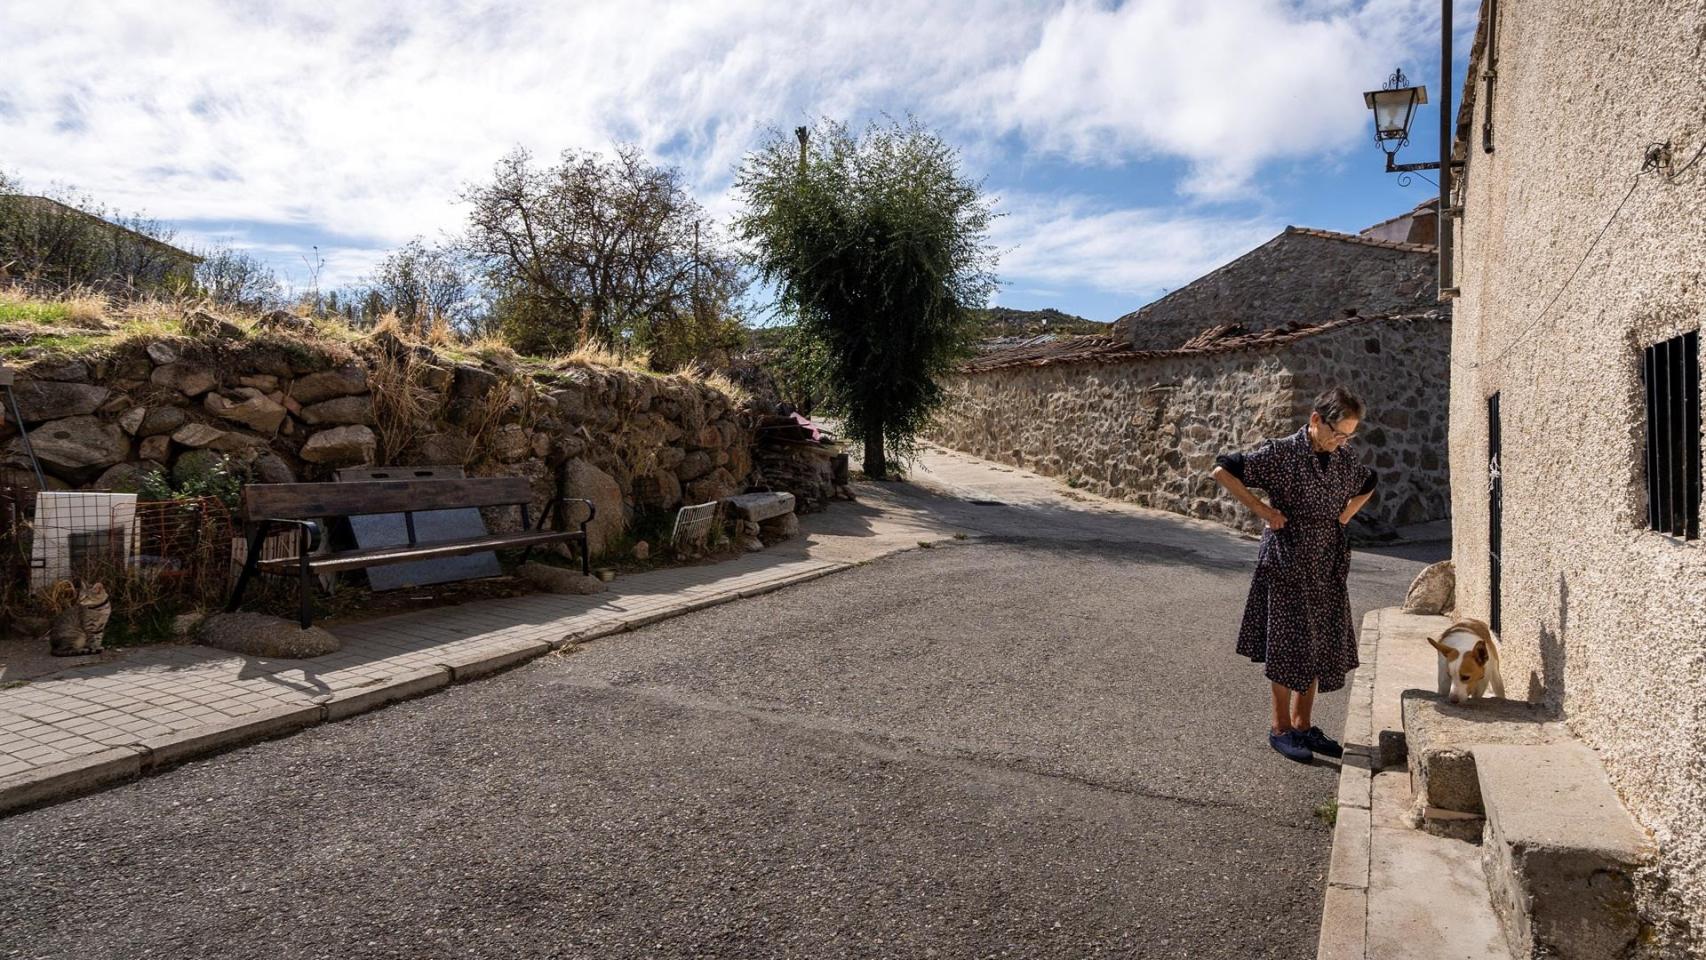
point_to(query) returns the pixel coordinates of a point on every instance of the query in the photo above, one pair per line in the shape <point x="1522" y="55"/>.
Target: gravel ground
<point x="991" y="749"/>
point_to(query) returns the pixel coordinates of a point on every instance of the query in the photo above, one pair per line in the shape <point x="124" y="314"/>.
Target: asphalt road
<point x="997" y="748"/>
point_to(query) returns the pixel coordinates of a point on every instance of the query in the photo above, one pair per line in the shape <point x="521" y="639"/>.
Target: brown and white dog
<point x="1471" y="656"/>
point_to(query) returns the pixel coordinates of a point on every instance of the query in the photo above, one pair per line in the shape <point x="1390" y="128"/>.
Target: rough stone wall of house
<point x="1295" y="277"/>
<point x="1601" y="617"/>
<point x="1148" y="430"/>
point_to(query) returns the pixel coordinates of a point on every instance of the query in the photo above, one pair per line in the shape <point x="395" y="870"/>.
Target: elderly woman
<point x="1298" y="617"/>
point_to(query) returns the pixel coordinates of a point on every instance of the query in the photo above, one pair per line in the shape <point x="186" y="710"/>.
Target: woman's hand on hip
<point x="1271" y="516"/>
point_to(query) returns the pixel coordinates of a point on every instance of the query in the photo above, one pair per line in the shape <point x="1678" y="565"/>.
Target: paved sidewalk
<point x="1395" y="892"/>
<point x="160" y="705"/>
<point x="80" y="728"/>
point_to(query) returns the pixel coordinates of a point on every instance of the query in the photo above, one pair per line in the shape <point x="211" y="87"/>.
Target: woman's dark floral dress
<point x="1298" y="617"/>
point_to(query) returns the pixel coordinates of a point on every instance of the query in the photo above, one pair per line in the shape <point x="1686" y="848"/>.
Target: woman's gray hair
<point x="1337" y="404"/>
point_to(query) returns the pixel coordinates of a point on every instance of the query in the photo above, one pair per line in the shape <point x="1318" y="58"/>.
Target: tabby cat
<point x="77" y="630"/>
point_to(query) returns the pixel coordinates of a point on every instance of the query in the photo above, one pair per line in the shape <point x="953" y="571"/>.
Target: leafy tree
<point x="612" y="250"/>
<point x="423" y="284"/>
<point x="881" y="248"/>
<point x="236" y="279"/>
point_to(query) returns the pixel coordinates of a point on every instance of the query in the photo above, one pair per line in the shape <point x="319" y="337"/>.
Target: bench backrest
<point x="296" y="501"/>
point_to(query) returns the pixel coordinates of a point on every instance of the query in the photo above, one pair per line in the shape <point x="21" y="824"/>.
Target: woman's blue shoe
<point x="1290" y="745"/>
<point x="1319" y="742"/>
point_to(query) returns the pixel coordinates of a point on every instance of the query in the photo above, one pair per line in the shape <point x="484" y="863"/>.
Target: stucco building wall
<point x="1301" y="276"/>
<point x="1601" y="617"/>
<point x="1147" y="427"/>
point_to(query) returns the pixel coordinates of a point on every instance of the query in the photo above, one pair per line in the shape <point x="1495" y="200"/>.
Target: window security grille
<point x="1670" y="373"/>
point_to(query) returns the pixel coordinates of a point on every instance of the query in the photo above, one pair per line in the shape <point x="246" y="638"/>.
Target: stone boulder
<point x="559" y="579"/>
<point x="131" y="420"/>
<point x="162" y="420"/>
<point x="40" y="400"/>
<point x="187" y="379"/>
<point x="777" y="529"/>
<point x="256" y="412"/>
<point x="162" y="352"/>
<point x="205" y="326"/>
<point x="349" y="446"/>
<point x="510" y="443"/>
<point x="197" y="435"/>
<point x="444" y="448"/>
<point x="659" y="490"/>
<point x="269" y="467"/>
<point x="718" y="485"/>
<point x="124" y="477"/>
<point x="283" y="321"/>
<point x="472" y="382"/>
<point x="1434" y="591"/>
<point x="157" y="449"/>
<point x="434" y="378"/>
<point x="79" y="448"/>
<point x="69" y="371"/>
<point x="707" y="437"/>
<point x="258" y="635"/>
<point x="346" y="381"/>
<point x="582" y="479"/>
<point x="339" y="411"/>
<point x="694" y="465"/>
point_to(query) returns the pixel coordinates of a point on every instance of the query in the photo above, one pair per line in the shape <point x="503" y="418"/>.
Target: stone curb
<point x="1344" y="909"/>
<point x="86" y="774"/>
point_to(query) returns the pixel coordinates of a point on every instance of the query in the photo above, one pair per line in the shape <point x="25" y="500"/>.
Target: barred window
<point x="1670" y="373"/>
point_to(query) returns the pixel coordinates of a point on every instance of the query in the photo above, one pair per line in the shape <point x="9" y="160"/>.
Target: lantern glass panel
<point x="1392" y="112"/>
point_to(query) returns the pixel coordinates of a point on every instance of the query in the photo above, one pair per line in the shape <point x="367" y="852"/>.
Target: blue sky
<point x="1131" y="147"/>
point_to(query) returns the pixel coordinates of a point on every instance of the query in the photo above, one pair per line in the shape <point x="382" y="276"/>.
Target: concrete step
<point x="1439" y="738"/>
<point x="1427" y="898"/>
<point x="1406" y="662"/>
<point x="1560" y="852"/>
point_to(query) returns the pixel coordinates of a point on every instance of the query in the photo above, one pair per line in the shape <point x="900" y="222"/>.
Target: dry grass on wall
<point x="403" y="408"/>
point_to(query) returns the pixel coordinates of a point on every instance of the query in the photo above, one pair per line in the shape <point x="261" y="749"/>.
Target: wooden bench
<point x="267" y="506"/>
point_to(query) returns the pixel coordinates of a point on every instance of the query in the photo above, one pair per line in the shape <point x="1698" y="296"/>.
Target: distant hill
<point x="1008" y="322"/>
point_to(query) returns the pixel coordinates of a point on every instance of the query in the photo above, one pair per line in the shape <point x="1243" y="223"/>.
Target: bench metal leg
<point x="307" y="582"/>
<point x="257" y="537"/>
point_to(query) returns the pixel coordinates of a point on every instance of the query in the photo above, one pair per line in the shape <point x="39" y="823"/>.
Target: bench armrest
<point x="563" y="510"/>
<point x="312" y="532"/>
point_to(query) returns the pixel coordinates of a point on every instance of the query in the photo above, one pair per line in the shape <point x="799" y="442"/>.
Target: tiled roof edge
<point x="1366" y="241"/>
<point x="1104" y="350"/>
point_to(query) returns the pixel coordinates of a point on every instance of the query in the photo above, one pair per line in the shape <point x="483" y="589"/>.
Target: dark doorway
<point x="1495" y="508"/>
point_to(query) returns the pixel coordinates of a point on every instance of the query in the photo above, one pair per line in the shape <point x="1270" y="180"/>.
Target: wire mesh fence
<point x="154" y="558"/>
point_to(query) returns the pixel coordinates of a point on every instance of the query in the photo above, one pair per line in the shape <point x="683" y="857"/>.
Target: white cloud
<point x="1227" y="85"/>
<point x="1074" y="242"/>
<point x="365" y="119"/>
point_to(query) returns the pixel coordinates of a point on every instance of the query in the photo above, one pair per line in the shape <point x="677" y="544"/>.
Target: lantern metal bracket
<point x="1411" y="167"/>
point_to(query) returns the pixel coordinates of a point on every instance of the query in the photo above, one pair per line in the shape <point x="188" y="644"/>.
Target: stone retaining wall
<point x="283" y="411"/>
<point x="1147" y="428"/>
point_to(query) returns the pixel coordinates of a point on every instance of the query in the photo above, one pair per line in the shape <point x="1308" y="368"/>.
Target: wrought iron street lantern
<point x="1394" y="107"/>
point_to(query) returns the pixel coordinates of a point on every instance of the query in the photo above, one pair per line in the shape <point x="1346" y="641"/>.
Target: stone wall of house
<point x="1147" y="429"/>
<point x="282" y="410"/>
<point x="1297" y="277"/>
<point x="1602" y="617"/>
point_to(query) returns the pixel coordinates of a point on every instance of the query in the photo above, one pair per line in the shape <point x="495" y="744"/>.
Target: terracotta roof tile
<point x="1100" y="349"/>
